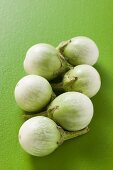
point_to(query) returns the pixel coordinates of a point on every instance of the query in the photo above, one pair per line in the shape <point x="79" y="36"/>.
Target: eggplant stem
<point x="68" y="135"/>
<point x="57" y="86"/>
<point x="53" y="96"/>
<point x="28" y="116"/>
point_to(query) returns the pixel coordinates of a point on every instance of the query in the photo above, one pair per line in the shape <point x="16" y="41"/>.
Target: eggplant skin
<point x="71" y="110"/>
<point x="39" y="136"/>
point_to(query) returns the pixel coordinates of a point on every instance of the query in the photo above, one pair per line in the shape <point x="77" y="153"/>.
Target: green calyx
<point x="66" y="135"/>
<point x="65" y="85"/>
<point x="62" y="46"/>
<point x="65" y="66"/>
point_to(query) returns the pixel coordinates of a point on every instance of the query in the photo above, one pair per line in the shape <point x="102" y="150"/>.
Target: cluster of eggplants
<point x="64" y="116"/>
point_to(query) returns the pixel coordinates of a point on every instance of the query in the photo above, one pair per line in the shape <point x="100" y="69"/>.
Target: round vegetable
<point x="79" y="50"/>
<point x="82" y="78"/>
<point x="44" y="60"/>
<point x="32" y="93"/>
<point x="71" y="110"/>
<point x="40" y="136"/>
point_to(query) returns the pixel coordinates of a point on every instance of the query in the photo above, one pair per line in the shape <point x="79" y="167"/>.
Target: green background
<point x="24" y="23"/>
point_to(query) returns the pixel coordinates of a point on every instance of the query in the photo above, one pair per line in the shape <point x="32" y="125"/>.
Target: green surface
<point x="26" y="22"/>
